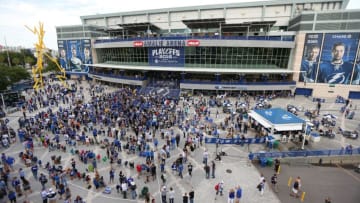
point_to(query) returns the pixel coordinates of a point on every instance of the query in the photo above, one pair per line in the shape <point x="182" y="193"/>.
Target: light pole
<point x="3" y="101"/>
<point x="307" y="132"/>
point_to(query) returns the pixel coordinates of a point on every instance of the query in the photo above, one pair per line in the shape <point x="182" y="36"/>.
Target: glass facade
<point x="205" y="57"/>
<point x="124" y="56"/>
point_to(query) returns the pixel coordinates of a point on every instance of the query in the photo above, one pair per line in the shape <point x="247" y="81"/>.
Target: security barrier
<point x="214" y="140"/>
<point x="312" y="153"/>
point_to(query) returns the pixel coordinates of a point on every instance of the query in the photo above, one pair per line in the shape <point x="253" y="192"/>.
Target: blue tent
<point x="277" y="119"/>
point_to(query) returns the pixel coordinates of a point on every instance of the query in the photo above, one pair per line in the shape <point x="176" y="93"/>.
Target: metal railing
<point x="310" y="153"/>
<point x="266" y="38"/>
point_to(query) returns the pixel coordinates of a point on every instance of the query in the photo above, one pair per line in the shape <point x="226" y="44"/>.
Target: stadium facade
<point x="309" y="47"/>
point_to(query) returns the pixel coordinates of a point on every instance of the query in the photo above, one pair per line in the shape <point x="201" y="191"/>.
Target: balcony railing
<point x="264" y="38"/>
<point x="124" y="77"/>
<point x="237" y="82"/>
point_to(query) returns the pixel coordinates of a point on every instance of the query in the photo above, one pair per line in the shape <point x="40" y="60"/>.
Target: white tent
<point x="277" y="119"/>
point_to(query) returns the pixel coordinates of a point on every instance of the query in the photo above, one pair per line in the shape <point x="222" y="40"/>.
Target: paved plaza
<point x="234" y="169"/>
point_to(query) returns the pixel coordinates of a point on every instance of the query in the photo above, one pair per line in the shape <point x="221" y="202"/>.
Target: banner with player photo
<point x="310" y="59"/>
<point x="338" y="58"/>
<point x="75" y="55"/>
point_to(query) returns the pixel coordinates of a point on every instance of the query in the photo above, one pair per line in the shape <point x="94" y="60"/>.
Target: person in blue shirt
<point x="34" y="170"/>
<point x="238" y="193"/>
<point x="309" y="65"/>
<point x="95" y="132"/>
<point x="12" y="196"/>
<point x="336" y="71"/>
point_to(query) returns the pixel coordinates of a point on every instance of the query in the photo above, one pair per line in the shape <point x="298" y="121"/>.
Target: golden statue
<point x="41" y="52"/>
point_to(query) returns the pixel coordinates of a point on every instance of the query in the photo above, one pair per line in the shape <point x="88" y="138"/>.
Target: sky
<point x="15" y="14"/>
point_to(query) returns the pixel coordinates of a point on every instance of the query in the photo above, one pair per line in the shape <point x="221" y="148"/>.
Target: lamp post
<point x="307" y="132"/>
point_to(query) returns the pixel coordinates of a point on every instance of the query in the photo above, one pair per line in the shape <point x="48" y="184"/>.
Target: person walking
<point x="191" y="195"/>
<point x="133" y="190"/>
<point x="180" y="169"/>
<point x="296" y="188"/>
<point x="12" y="196"/>
<point x="171" y="195"/>
<point x="207" y="171"/>
<point x="124" y="188"/>
<point x="44" y="196"/>
<point x="67" y="194"/>
<point x="34" y="170"/>
<point x="274" y="182"/>
<point x="43" y="180"/>
<point x="51" y="195"/>
<point x="190" y="168"/>
<point x="261" y="187"/>
<point x="112" y="175"/>
<point x="185" y="198"/>
<point x="205" y="157"/>
<point x="238" y="194"/>
<point x="231" y="196"/>
<point x="26" y="187"/>
<point x="213" y="169"/>
<point x="221" y="188"/>
<point x="163" y="194"/>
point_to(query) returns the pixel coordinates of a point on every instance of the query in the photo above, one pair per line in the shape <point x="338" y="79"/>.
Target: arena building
<point x="307" y="47"/>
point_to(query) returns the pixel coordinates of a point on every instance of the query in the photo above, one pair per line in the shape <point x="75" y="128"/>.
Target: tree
<point x="50" y="65"/>
<point x="15" y="61"/>
<point x="11" y="75"/>
<point x="2" y="58"/>
<point x="30" y="60"/>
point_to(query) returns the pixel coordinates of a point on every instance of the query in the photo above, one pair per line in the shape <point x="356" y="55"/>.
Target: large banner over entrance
<point x="331" y="58"/>
<point x="167" y="56"/>
<point x="310" y="60"/>
<point x="75" y="54"/>
<point x="338" y="58"/>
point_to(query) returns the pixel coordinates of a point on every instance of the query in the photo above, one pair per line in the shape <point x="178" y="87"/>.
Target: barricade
<point x="311" y="153"/>
<point x="214" y="140"/>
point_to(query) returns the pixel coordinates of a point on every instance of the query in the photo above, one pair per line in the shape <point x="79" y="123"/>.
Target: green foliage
<point x="18" y="58"/>
<point x="51" y="66"/>
<point x="15" y="61"/>
<point x="10" y="75"/>
<point x="30" y="60"/>
<point x="2" y="58"/>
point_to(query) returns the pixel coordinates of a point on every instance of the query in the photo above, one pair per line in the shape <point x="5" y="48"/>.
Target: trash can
<point x="263" y="161"/>
<point x="269" y="162"/>
<point x="276" y="144"/>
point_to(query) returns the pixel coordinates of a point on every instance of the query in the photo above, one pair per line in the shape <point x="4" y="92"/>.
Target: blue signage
<point x="214" y="140"/>
<point x="310" y="60"/>
<point x="167" y="56"/>
<point x="75" y="55"/>
<point x="337" y="58"/>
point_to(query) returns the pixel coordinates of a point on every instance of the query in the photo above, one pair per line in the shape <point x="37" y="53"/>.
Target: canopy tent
<point x="277" y="119"/>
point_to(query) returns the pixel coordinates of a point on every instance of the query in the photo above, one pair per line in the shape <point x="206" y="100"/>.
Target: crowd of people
<point x="60" y="119"/>
<point x="118" y="121"/>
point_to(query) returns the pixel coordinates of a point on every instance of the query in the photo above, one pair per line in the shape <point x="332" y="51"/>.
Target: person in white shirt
<point x="44" y="194"/>
<point x="205" y="157"/>
<point x="124" y="188"/>
<point x="171" y="195"/>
